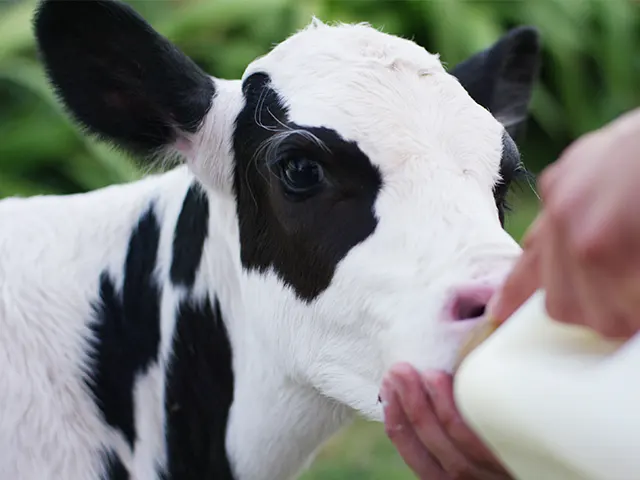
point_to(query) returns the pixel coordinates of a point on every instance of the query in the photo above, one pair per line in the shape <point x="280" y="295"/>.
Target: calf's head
<point x="368" y="180"/>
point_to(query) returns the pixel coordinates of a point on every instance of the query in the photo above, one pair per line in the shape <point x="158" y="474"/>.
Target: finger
<point x="606" y="309"/>
<point x="548" y="179"/>
<point x="594" y="296"/>
<point x="607" y="278"/>
<point x="558" y="274"/>
<point x="440" y="388"/>
<point x="556" y="172"/>
<point x="521" y="283"/>
<point x="405" y="439"/>
<point x="523" y="279"/>
<point x="531" y="237"/>
<point x="420" y="414"/>
<point x="602" y="312"/>
<point x="626" y="320"/>
<point x="624" y="294"/>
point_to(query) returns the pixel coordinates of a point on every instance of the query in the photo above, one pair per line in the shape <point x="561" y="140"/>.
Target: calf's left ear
<point x="118" y="77"/>
<point x="501" y="77"/>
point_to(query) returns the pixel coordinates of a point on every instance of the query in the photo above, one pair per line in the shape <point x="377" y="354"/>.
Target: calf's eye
<point x="301" y="176"/>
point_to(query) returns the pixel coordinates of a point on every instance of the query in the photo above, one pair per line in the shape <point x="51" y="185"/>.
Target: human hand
<point x="584" y="247"/>
<point x="426" y="428"/>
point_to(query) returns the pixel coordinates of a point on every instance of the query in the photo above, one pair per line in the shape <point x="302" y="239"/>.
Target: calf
<point x="338" y="209"/>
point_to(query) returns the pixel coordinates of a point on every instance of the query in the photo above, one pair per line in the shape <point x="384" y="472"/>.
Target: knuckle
<point x="590" y="247"/>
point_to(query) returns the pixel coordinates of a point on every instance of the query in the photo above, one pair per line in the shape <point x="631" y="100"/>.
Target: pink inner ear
<point x="183" y="146"/>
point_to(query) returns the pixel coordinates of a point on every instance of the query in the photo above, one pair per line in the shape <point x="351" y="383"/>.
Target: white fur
<point x="301" y="370"/>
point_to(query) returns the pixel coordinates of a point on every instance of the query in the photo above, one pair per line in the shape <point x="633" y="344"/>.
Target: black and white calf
<point x="339" y="209"/>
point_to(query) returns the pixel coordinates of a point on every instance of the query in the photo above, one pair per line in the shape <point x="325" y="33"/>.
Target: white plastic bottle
<point x="554" y="401"/>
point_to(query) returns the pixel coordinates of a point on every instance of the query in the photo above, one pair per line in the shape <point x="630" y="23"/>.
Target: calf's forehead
<point x="319" y="45"/>
<point x="388" y="94"/>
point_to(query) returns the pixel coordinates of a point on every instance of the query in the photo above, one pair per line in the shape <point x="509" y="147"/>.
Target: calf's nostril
<point x="471" y="311"/>
<point x="469" y="308"/>
<point x="469" y="302"/>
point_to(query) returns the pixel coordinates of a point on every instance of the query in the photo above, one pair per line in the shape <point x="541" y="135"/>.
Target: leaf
<point x="15" y="29"/>
<point x="30" y="76"/>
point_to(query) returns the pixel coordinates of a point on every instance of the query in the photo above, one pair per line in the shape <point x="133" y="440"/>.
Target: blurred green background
<point x="590" y="75"/>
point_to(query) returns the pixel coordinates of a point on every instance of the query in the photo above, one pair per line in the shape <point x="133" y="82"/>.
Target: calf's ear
<point x="118" y="77"/>
<point x="501" y="78"/>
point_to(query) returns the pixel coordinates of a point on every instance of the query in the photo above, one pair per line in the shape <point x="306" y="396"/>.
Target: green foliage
<point x="361" y="452"/>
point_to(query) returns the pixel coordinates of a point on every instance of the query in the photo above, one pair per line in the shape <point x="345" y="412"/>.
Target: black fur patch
<point x="189" y="237"/>
<point x="126" y="331"/>
<point x="114" y="468"/>
<point x="198" y="395"/>
<point x="303" y="241"/>
<point x="117" y="76"/>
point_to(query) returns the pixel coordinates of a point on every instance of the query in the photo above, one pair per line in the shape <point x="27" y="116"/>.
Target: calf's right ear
<point x="501" y="77"/>
<point x="118" y="77"/>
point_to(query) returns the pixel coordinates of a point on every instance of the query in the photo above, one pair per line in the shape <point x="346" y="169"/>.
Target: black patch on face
<point x="118" y="77"/>
<point x="114" y="468"/>
<point x="126" y="330"/>
<point x="199" y="393"/>
<point x="189" y="237"/>
<point x="302" y="240"/>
